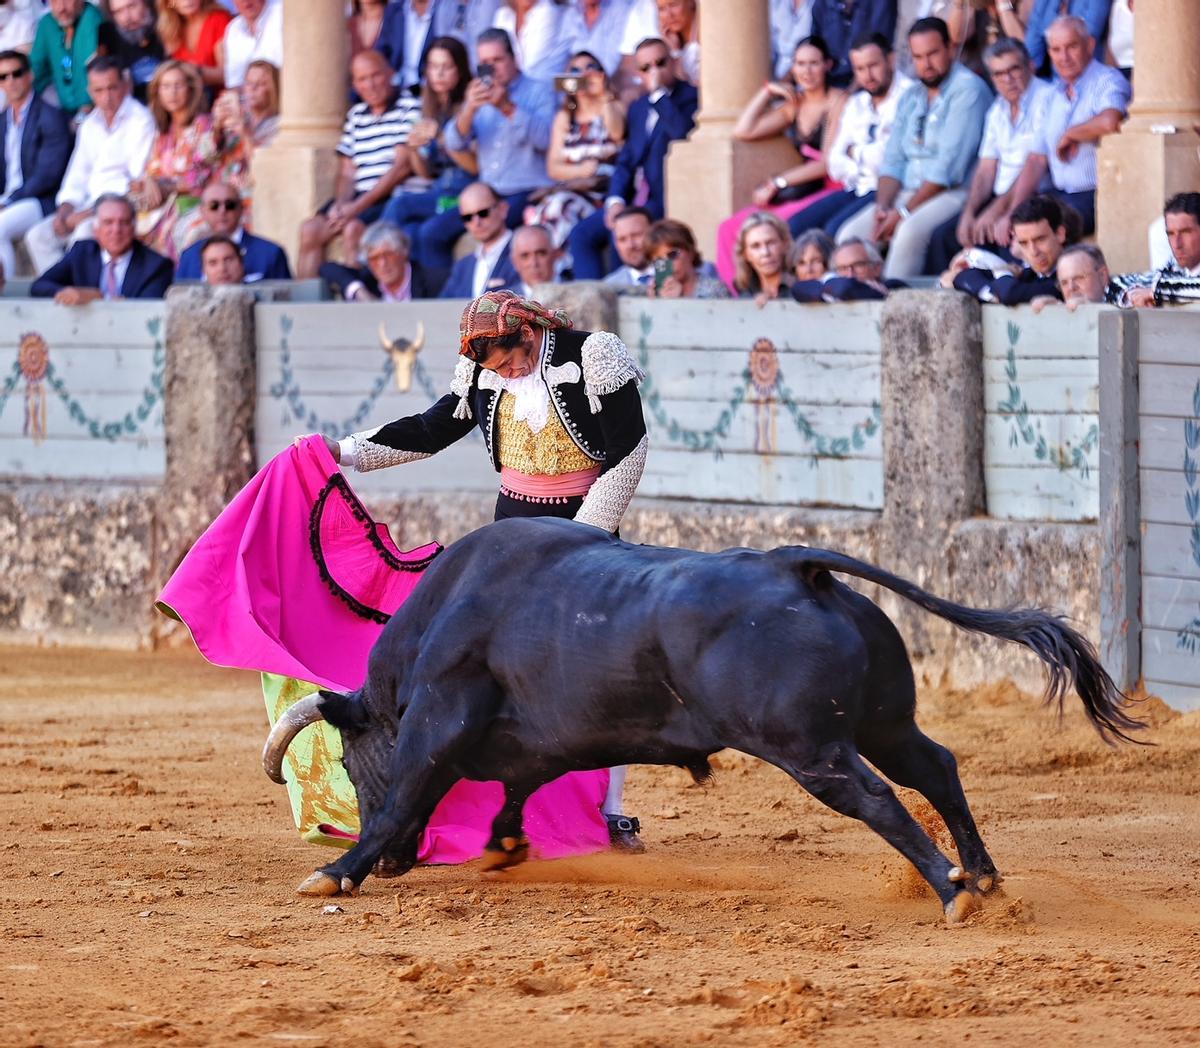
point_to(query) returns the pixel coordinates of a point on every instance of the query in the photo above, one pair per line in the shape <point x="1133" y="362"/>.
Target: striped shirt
<point x="1098" y="88"/>
<point x="370" y="141"/>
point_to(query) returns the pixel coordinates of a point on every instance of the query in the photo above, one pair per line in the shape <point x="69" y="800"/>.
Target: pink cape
<point x="252" y="594"/>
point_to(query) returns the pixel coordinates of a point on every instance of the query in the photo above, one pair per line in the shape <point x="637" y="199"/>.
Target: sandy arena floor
<point x="149" y="867"/>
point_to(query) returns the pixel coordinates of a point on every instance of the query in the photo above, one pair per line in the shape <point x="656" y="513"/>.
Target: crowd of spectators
<point x="508" y="143"/>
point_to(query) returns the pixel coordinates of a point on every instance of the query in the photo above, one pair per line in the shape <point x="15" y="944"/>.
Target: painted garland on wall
<point x="1063" y="457"/>
<point x="33" y="364"/>
<point x="762" y="383"/>
<point x="288" y="390"/>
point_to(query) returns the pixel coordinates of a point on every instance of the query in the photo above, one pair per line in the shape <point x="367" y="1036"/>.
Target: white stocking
<point x="613" y="800"/>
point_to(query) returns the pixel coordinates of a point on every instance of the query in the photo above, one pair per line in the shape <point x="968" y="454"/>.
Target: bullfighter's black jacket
<point x="592" y="379"/>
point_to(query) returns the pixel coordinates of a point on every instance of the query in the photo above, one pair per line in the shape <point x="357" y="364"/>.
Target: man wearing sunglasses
<point x="221" y="205"/>
<point x="663" y="113"/>
<point x="35" y="145"/>
<point x="489" y="267"/>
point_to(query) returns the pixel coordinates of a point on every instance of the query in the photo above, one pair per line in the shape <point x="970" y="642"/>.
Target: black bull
<point x="532" y="648"/>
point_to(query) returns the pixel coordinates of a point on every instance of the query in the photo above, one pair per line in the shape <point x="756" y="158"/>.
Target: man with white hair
<point x="533" y="257"/>
<point x="856" y="275"/>
<point x="1088" y="101"/>
<point x="390" y="274"/>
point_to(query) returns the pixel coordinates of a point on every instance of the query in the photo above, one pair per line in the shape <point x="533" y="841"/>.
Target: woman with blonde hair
<point x="761" y="254"/>
<point x="192" y="31"/>
<point x="186" y="153"/>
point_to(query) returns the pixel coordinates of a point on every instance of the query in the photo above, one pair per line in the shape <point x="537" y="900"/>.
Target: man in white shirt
<point x="862" y="136"/>
<point x="629" y="235"/>
<point x="1010" y="133"/>
<point x="111" y="150"/>
<point x="534" y="257"/>
<point x="255" y="34"/>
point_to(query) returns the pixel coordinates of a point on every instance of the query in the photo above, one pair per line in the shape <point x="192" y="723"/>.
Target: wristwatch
<point x="779" y="182"/>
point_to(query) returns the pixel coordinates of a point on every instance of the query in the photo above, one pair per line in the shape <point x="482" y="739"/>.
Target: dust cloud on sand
<point x="149" y="868"/>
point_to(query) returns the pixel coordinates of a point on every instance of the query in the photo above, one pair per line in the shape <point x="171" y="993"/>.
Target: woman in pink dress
<point x="185" y="155"/>
<point x="806" y="110"/>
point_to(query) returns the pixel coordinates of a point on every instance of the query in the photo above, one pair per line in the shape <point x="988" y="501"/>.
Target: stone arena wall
<point x="884" y="430"/>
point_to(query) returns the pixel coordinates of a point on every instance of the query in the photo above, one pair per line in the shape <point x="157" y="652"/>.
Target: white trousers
<point x="906" y="255"/>
<point x="46" y="247"/>
<point x="615" y="798"/>
<point x="16" y="219"/>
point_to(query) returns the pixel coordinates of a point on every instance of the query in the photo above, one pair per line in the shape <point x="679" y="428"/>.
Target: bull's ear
<point x="343" y="711"/>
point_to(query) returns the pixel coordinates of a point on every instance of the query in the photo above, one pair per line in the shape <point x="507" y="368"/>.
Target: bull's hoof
<point x="961" y="907"/>
<point x="386" y="868"/>
<point x="318" y="883"/>
<point x="512" y="852"/>
<point x="988" y="882"/>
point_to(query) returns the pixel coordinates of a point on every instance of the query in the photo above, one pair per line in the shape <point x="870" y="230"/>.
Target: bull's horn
<point x="383" y="337"/>
<point x="420" y="339"/>
<point x="298" y="716"/>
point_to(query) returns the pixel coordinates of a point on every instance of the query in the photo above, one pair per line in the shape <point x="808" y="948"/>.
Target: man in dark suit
<point x="489" y="267"/>
<point x="857" y="276"/>
<point x="114" y="265"/>
<point x="403" y="55"/>
<point x="221" y="204"/>
<point x="664" y="113"/>
<point x="390" y="274"/>
<point x="35" y="146"/>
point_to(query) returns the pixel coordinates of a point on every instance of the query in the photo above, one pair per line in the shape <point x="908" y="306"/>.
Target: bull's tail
<point x="1069" y="657"/>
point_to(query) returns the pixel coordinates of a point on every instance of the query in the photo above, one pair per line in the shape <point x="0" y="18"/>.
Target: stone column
<point x="209" y="404"/>
<point x="1155" y="155"/>
<point x="711" y="175"/>
<point x="296" y="173"/>
<point x="932" y="391"/>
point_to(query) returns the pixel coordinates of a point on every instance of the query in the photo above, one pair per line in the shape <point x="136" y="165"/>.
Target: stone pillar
<point x="209" y="404"/>
<point x="932" y="388"/>
<point x="295" y="174"/>
<point x="710" y="176"/>
<point x="1120" y="508"/>
<point x="1155" y="155"/>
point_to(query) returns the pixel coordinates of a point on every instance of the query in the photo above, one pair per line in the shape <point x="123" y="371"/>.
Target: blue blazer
<point x="148" y="276"/>
<point x="461" y="281"/>
<point x="46" y="144"/>
<point x="676" y="118"/>
<point x="390" y="42"/>
<point x="265" y="260"/>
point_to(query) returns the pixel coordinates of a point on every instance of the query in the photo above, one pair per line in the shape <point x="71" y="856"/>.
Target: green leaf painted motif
<point x="1065" y="457"/>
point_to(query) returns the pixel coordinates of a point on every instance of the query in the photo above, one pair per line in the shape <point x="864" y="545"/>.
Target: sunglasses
<point x="12" y="74"/>
<point x="660" y="63"/>
<point x="483" y="212"/>
<point x="591" y="67"/>
<point x="224" y="205"/>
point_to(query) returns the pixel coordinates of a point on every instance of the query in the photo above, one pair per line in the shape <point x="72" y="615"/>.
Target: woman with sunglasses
<point x="586" y="136"/>
<point x="805" y="109"/>
<point x="562" y="422"/>
<point x="676" y="261"/>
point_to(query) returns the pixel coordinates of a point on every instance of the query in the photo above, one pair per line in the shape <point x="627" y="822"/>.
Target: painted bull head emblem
<point x="403" y="354"/>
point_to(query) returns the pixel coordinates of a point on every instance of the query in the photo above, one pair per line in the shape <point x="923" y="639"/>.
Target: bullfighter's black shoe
<point x="623" y="833"/>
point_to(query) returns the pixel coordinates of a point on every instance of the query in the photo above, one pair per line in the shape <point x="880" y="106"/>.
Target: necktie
<point x="110" y="279"/>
